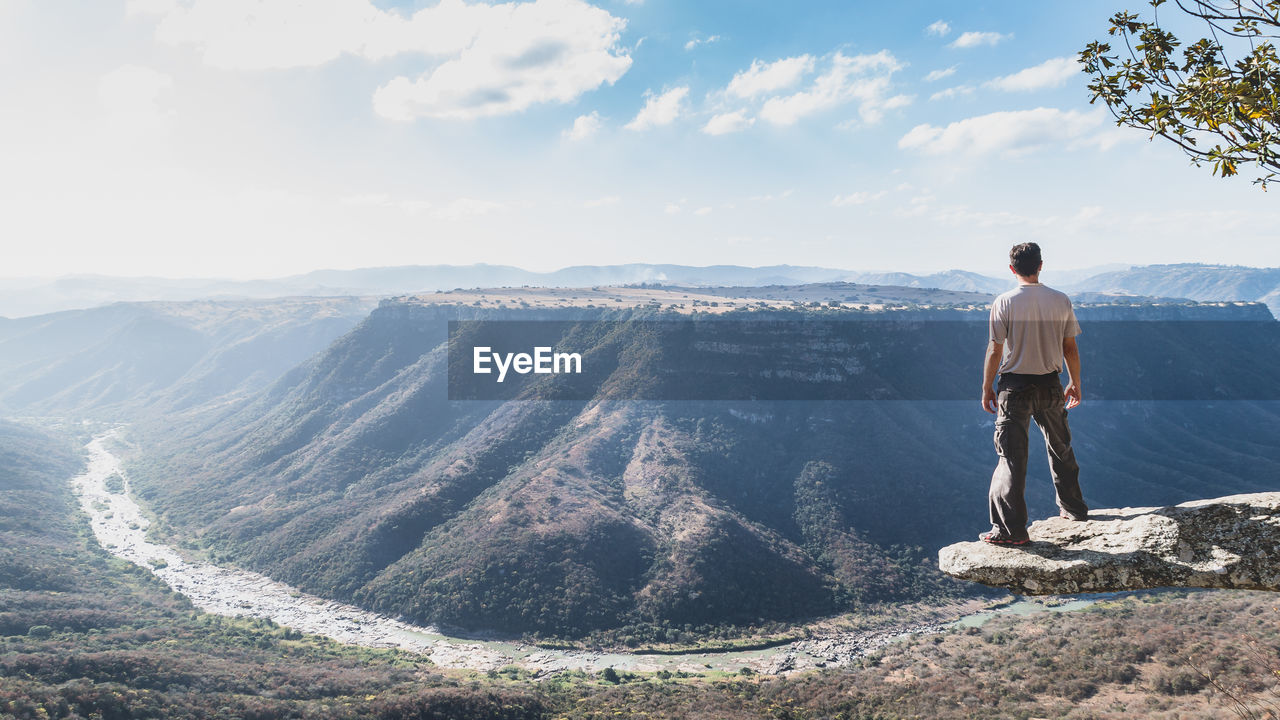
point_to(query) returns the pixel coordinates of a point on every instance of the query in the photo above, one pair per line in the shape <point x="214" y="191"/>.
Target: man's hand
<point x="1072" y="395"/>
<point x="989" y="400"/>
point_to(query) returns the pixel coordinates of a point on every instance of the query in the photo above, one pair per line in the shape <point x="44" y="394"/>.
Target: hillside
<point x="128" y="359"/>
<point x="356" y="477"/>
<point x="1194" y="281"/>
<point x="87" y="635"/>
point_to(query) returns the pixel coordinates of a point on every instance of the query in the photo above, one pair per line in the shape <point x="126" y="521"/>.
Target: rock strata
<point x="1229" y="542"/>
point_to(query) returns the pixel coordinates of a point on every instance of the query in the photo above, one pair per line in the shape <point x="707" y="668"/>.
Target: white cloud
<point x="468" y="207"/>
<point x="497" y="59"/>
<point x="602" y="202"/>
<point x="764" y="77"/>
<point x="255" y="35"/>
<point x="150" y="7"/>
<point x="696" y="41"/>
<point x="857" y="198"/>
<point x="974" y="39"/>
<point x="729" y="122"/>
<point x="130" y="95"/>
<point x="703" y="211"/>
<point x="918" y="205"/>
<point x="382" y="200"/>
<point x="898" y="101"/>
<point x="1050" y="73"/>
<point x="368" y="200"/>
<point x="860" y="78"/>
<point x="939" y="28"/>
<point x="544" y="51"/>
<point x="671" y="209"/>
<point x="659" y="109"/>
<point x="773" y="196"/>
<point x="952" y="92"/>
<point x="584" y="126"/>
<point x="1010" y="132"/>
<point x="963" y="216"/>
<point x="457" y="209"/>
<point x="935" y="75"/>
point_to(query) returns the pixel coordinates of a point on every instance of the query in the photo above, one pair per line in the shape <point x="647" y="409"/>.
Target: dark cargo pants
<point x="1016" y="408"/>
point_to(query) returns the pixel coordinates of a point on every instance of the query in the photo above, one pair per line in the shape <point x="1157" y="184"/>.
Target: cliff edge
<point x="1228" y="542"/>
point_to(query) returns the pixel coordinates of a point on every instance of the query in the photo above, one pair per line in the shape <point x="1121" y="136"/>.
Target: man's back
<point x="1031" y="321"/>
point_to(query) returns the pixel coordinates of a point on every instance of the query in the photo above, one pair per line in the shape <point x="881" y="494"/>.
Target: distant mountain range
<point x="1195" y="282"/>
<point x="129" y="359"/>
<point x="20" y="297"/>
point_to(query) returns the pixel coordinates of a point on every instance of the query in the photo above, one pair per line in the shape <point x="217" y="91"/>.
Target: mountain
<point x="949" y="280"/>
<point x="119" y="360"/>
<point x="24" y="297"/>
<point x="652" y="494"/>
<point x="1194" y="281"/>
<point x="20" y="297"/>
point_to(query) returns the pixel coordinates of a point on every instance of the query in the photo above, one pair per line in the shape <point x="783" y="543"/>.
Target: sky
<point x="261" y="138"/>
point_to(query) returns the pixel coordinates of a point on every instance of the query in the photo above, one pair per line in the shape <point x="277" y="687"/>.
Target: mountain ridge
<point x="355" y="477"/>
<point x="20" y="297"/>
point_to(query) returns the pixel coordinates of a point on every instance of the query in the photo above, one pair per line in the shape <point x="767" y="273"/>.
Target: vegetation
<point x="1145" y="656"/>
<point x="85" y="635"/>
<point x="112" y="642"/>
<point x="1217" y="99"/>
<point x="674" y="520"/>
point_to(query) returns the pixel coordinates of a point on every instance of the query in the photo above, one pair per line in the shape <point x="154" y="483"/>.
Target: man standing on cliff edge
<point x="1033" y="328"/>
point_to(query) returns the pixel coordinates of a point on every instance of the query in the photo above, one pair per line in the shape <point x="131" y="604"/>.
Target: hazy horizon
<point x="999" y="271"/>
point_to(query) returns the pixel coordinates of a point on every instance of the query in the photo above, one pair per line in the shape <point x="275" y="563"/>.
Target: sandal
<point x="996" y="538"/>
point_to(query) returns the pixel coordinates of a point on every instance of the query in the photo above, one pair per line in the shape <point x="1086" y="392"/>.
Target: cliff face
<point x="669" y="496"/>
<point x="1229" y="542"/>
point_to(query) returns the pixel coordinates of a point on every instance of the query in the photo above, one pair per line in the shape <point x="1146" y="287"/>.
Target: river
<point x="120" y="527"/>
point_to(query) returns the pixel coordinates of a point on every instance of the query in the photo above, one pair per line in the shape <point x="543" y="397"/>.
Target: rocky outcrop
<point x="1229" y="542"/>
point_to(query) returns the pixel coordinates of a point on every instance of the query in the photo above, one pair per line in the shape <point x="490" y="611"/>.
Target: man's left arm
<point x="1074" y="394"/>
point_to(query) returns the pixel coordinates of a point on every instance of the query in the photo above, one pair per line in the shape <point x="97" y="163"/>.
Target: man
<point x="1033" y="328"/>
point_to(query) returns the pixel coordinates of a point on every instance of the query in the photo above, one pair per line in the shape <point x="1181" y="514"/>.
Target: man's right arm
<point x="1073" y="395"/>
<point x="995" y="351"/>
<point x="998" y="333"/>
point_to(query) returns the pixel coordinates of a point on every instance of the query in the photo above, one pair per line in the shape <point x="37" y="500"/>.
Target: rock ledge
<point x="1229" y="542"/>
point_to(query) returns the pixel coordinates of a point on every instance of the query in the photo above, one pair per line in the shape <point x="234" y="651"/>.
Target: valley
<point x="629" y="549"/>
<point x="120" y="526"/>
<point x="84" y="634"/>
<point x="660" y="520"/>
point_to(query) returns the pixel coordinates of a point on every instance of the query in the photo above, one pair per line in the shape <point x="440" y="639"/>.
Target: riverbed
<point x="120" y="526"/>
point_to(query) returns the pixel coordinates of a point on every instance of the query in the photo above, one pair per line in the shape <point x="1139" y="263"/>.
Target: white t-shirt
<point x="1032" y="321"/>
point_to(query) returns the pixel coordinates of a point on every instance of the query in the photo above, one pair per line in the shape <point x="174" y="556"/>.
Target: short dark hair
<point x="1025" y="259"/>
